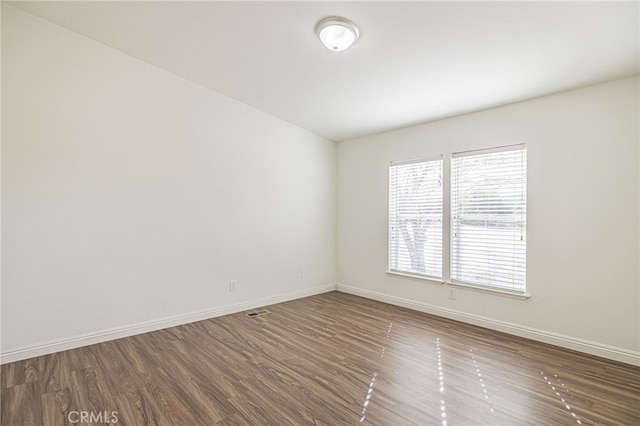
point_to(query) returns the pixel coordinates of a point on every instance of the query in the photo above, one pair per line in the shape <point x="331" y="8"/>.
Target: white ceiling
<point x="414" y="61"/>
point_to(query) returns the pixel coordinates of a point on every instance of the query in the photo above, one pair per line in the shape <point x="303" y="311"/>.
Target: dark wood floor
<point x="332" y="359"/>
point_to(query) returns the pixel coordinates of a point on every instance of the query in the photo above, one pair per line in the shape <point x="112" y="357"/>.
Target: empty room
<point x="320" y="213"/>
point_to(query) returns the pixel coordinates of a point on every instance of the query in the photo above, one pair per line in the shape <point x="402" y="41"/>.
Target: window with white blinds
<point x="489" y="218"/>
<point x="415" y="217"/>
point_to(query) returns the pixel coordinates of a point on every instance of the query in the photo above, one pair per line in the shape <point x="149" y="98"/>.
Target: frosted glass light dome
<point x="337" y="33"/>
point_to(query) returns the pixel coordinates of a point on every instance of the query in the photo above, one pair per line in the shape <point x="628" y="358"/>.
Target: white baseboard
<point x="592" y="348"/>
<point x="605" y="351"/>
<point x="117" y="333"/>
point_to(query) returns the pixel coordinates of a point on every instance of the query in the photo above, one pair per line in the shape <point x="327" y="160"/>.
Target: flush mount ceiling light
<point x="337" y="33"/>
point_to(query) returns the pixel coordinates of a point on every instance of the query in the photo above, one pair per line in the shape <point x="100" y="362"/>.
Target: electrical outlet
<point x="304" y="273"/>
<point x="232" y="285"/>
<point x="452" y="293"/>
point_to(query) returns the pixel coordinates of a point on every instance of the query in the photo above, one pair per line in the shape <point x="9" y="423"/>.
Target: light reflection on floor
<point x="451" y="385"/>
<point x="425" y="373"/>
<point x="558" y="394"/>
<point x="452" y="392"/>
<point x="367" y="398"/>
<point x="443" y="405"/>
<point x="481" y="379"/>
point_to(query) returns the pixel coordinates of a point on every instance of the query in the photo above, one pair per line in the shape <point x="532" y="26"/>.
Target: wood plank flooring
<point x="331" y="359"/>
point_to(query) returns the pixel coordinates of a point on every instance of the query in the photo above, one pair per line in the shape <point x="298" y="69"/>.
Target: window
<point x="488" y="218"/>
<point x="415" y="217"/>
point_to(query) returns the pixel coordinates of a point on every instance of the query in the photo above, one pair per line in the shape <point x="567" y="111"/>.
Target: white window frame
<point x="448" y="224"/>
<point x="474" y="262"/>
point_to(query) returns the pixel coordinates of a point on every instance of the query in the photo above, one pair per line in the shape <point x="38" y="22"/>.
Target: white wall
<point x="583" y="197"/>
<point x="132" y="196"/>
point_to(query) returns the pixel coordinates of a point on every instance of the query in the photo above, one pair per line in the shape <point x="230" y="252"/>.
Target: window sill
<point x="495" y="291"/>
<point x="489" y="290"/>
<point x="428" y="279"/>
